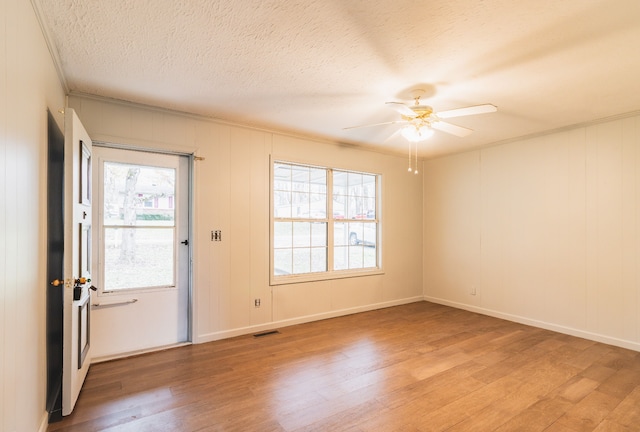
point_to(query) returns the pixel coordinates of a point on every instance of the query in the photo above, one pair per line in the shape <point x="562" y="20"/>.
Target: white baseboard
<point x="635" y="346"/>
<point x="44" y="422"/>
<point x="210" y="337"/>
<point x="105" y="358"/>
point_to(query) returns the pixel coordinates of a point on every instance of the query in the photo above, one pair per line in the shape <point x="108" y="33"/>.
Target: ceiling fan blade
<point x="376" y="124"/>
<point x="402" y="108"/>
<point x="393" y="135"/>
<point x="451" y="128"/>
<point x="472" y="110"/>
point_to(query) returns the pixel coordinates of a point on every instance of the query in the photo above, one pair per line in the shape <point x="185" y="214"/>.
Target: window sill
<point x="317" y="277"/>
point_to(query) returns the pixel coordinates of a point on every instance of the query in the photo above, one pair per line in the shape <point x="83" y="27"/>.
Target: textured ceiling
<point x="314" y="67"/>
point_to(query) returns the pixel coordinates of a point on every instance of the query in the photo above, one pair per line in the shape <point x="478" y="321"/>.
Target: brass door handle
<point x="76" y="281"/>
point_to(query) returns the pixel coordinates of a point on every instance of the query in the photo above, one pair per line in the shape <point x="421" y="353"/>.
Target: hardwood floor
<point x="417" y="367"/>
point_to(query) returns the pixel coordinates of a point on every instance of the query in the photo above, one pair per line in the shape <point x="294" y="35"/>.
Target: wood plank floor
<point x="417" y="367"/>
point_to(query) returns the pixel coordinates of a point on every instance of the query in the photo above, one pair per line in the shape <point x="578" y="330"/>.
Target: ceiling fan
<point x="421" y="120"/>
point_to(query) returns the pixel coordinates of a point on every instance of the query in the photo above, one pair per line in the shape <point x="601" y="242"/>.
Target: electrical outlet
<point x="473" y="290"/>
<point x="256" y="302"/>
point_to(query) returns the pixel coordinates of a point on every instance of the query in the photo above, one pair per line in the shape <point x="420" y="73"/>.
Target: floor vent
<point x="267" y="333"/>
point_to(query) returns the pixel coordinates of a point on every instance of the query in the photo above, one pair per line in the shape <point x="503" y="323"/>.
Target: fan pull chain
<point x="411" y="169"/>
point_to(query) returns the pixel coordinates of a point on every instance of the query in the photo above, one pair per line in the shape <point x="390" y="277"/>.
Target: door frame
<point x="55" y="250"/>
<point x="190" y="228"/>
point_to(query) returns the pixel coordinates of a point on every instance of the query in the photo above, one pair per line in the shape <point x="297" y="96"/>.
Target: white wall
<point x="28" y="86"/>
<point x="547" y="230"/>
<point x="232" y="195"/>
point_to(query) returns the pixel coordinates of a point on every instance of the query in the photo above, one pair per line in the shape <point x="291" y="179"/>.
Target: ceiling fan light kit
<point x="417" y="133"/>
<point x="421" y="120"/>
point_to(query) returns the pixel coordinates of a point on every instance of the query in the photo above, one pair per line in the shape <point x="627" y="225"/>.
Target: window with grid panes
<point x="324" y="221"/>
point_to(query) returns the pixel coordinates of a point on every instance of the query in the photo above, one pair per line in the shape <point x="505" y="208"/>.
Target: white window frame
<point x="329" y="273"/>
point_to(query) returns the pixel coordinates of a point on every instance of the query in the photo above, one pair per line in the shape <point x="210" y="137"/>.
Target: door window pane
<point x="138" y="257"/>
<point x="138" y="226"/>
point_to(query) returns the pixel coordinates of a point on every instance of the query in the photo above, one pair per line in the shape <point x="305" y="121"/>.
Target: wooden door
<point x="77" y="262"/>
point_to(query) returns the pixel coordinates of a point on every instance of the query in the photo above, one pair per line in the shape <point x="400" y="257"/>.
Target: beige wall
<point x="28" y="86"/>
<point x="232" y="194"/>
<point x="547" y="230"/>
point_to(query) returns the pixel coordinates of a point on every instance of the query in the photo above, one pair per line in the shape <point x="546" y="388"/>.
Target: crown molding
<point x="53" y="51"/>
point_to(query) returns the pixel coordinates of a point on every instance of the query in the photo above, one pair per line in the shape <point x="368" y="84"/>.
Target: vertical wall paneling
<point x="634" y="131"/>
<point x="494" y="217"/>
<point x="239" y="235"/>
<point x="452" y="227"/>
<point x="402" y="234"/>
<point x="221" y="198"/>
<point x="570" y="309"/>
<point x="203" y="174"/>
<point x="559" y="233"/>
<point x="591" y="228"/>
<point x="231" y="194"/>
<point x="5" y="324"/>
<point x="629" y="230"/>
<point x="10" y="219"/>
<point x="259" y="227"/>
<point x="29" y="85"/>
<point x="609" y="290"/>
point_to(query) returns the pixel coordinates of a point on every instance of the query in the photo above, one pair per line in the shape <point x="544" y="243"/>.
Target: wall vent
<point x="267" y="333"/>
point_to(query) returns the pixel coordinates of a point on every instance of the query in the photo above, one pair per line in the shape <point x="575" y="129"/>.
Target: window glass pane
<point x="318" y="206"/>
<point x="368" y="181"/>
<point x="300" y="205"/>
<point x="282" y="262"/>
<point x="340" y="258"/>
<point x="300" y="178"/>
<point x="301" y="261"/>
<point x="355" y="245"/>
<point x="282" y="234"/>
<point x="318" y="259"/>
<point x="138" y="195"/>
<point x="339" y="207"/>
<point x="318" y="234"/>
<point x="369" y="234"/>
<point x="370" y="257"/>
<point x="370" y="207"/>
<point x="356" y="233"/>
<point x="340" y="182"/>
<point x="301" y="234"/>
<point x="354" y="182"/>
<point x="340" y="234"/>
<point x="339" y="194"/>
<point x="282" y="204"/>
<point x="281" y="176"/>
<point x="355" y="257"/>
<point x="138" y="257"/>
<point x="318" y="180"/>
<point x="355" y="207"/>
